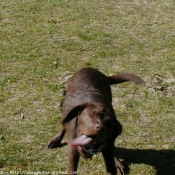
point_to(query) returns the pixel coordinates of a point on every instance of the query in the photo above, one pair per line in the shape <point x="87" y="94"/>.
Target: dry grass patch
<point x="44" y="41"/>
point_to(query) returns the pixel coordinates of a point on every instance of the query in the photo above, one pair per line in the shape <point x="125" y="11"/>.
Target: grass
<point x="44" y="41"/>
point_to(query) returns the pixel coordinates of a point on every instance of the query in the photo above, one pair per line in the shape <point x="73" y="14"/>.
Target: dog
<point x="89" y="119"/>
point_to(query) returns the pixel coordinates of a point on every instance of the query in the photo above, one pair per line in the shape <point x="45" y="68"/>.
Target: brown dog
<point x="89" y="118"/>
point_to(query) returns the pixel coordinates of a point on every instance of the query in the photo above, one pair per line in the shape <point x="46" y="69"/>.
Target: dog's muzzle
<point x="93" y="149"/>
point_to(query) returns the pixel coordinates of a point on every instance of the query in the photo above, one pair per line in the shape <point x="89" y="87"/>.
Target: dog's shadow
<point x="162" y="160"/>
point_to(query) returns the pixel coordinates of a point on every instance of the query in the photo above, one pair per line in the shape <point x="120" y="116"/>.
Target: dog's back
<point x="87" y="86"/>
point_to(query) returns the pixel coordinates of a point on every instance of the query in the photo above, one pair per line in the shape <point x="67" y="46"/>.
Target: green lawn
<point x="43" y="42"/>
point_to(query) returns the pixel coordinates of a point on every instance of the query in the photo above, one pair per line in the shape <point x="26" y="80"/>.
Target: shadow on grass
<point x="162" y="160"/>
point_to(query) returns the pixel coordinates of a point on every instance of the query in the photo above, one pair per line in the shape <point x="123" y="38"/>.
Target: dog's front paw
<point x="55" y="142"/>
<point x="119" y="166"/>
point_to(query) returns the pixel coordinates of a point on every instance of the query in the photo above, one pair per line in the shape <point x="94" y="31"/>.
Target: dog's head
<point x="96" y="126"/>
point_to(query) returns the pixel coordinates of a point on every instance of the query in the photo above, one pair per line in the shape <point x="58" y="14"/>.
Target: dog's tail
<point x="124" y="77"/>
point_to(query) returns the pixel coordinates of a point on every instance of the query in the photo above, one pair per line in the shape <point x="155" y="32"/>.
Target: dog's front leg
<point x="73" y="155"/>
<point x="108" y="155"/>
<point x="73" y="159"/>
<point x="56" y="141"/>
<point x="119" y="166"/>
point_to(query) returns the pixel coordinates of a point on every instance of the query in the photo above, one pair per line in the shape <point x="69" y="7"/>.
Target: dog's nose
<point x="98" y="127"/>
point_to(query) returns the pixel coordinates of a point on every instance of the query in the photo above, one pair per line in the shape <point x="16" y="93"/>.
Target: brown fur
<point x="87" y="109"/>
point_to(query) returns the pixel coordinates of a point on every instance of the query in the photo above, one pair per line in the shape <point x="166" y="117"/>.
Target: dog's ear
<point x="68" y="116"/>
<point x="117" y="130"/>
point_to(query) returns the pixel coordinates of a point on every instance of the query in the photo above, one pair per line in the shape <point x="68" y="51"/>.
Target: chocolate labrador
<point x="89" y="119"/>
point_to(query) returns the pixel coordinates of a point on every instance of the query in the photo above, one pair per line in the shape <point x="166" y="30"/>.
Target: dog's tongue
<point x="80" y="141"/>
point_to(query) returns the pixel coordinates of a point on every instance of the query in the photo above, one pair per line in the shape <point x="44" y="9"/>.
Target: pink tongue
<point x="82" y="140"/>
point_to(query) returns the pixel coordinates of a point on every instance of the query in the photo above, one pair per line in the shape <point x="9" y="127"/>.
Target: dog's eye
<point x="102" y="116"/>
<point x="102" y="113"/>
<point x="107" y="120"/>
